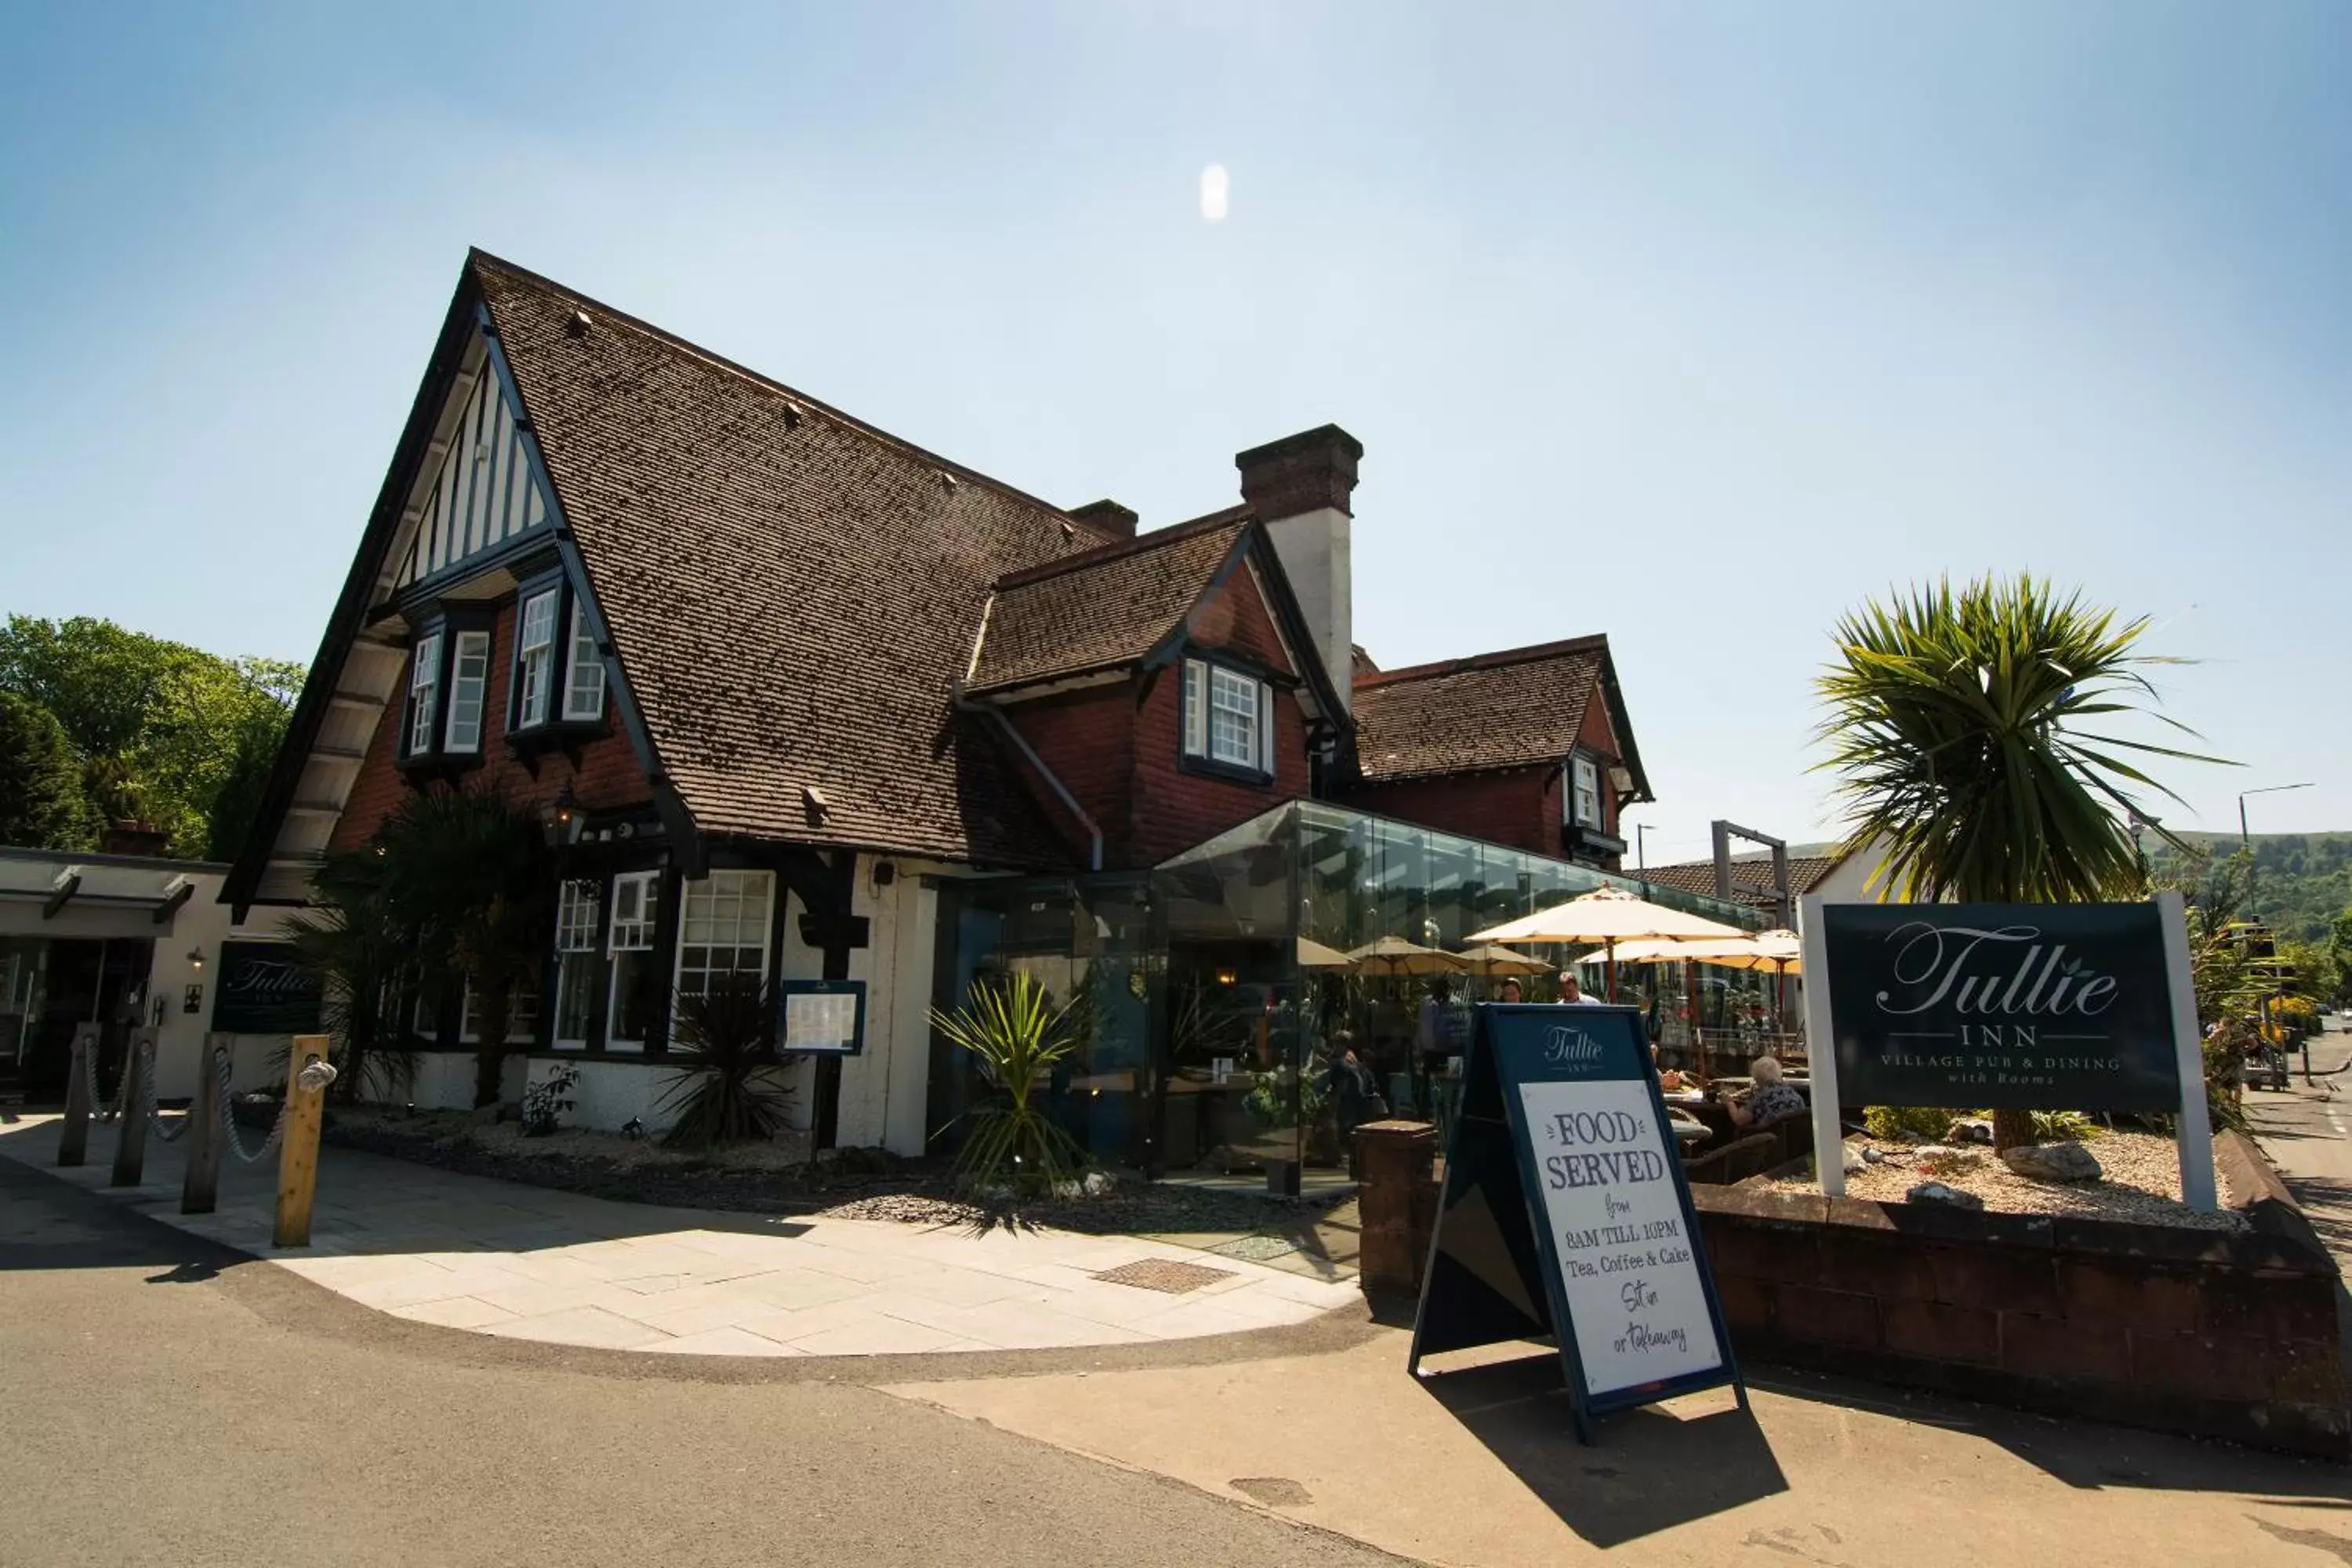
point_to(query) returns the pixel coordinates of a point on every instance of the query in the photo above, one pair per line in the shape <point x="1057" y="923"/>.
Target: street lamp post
<point x="2246" y="847"/>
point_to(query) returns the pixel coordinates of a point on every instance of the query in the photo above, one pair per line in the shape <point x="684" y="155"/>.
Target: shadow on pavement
<point x="46" y="1223"/>
<point x="1649" y="1469"/>
<point x="2082" y="1454"/>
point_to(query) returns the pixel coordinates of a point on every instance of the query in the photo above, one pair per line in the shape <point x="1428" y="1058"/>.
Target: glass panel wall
<point x="1234" y="1025"/>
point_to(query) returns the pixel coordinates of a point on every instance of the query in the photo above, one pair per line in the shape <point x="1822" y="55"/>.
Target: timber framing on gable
<point x="466" y="492"/>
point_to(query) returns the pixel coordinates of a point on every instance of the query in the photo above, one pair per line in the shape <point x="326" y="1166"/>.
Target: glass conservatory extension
<point x="1215" y="1005"/>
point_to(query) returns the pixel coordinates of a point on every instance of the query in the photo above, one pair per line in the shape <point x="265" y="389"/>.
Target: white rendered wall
<point x="1315" y="548"/>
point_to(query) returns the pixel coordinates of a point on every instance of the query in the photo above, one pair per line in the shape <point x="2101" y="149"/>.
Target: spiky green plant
<point x="1956" y="722"/>
<point x="350" y="941"/>
<point x="1017" y="1036"/>
<point x="722" y="1040"/>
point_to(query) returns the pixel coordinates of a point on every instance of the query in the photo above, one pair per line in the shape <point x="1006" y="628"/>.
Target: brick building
<point x="798" y="699"/>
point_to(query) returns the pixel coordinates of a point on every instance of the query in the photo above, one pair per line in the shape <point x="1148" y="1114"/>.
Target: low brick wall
<point x="2206" y="1332"/>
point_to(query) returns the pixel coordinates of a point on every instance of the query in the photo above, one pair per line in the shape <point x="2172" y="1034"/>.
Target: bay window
<point x="583" y="689"/>
<point x="535" y="656"/>
<point x="724" y="928"/>
<point x="424" y="694"/>
<point x="469" y="675"/>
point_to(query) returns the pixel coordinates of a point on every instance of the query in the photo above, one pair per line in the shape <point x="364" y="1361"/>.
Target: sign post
<point x="1566" y="1212"/>
<point x="2014" y="1007"/>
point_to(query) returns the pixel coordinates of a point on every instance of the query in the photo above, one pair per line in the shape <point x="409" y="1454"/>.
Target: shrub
<point x="1892" y="1122"/>
<point x="722" y="1040"/>
<point x="544" y="1103"/>
<point x="2063" y="1127"/>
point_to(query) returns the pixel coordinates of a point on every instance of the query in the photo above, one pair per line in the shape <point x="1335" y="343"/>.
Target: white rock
<point x="1855" y="1160"/>
<point x="1969" y="1130"/>
<point x="2052" y="1162"/>
<point x="1936" y="1193"/>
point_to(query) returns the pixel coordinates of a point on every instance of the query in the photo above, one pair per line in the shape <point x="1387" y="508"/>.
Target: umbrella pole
<point x="1611" y="950"/>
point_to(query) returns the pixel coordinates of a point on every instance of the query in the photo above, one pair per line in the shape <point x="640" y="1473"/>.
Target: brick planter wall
<point x="2213" y="1334"/>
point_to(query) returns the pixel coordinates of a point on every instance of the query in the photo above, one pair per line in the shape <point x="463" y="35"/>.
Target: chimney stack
<point x="1302" y="487"/>
<point x="1106" y="517"/>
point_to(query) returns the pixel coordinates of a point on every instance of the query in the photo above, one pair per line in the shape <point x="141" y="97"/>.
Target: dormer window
<point x="1228" y="719"/>
<point x="448" y="681"/>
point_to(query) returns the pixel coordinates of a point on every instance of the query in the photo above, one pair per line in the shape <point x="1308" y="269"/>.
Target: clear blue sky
<point x="1692" y="324"/>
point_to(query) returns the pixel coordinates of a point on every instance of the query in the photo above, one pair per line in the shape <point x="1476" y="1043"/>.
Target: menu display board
<point x="827" y="1016"/>
<point x="1565" y="1213"/>
<point x="263" y="991"/>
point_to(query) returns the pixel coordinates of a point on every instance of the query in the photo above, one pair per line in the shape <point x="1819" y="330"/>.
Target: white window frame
<point x="424" y="694"/>
<point x="584" y="682"/>
<point x="1239" y="702"/>
<point x="580" y="909"/>
<point x="636" y="933"/>
<point x="535" y="665"/>
<point x="1583" y="781"/>
<point x="522" y="1015"/>
<point x="468" y="691"/>
<point x="724" y="895"/>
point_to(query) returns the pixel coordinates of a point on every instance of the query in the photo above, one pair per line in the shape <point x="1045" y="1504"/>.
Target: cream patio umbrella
<point x="1608" y="916"/>
<point x="1491" y="960"/>
<point x="1778" y="951"/>
<point x="1398" y="956"/>
<point x="1313" y="955"/>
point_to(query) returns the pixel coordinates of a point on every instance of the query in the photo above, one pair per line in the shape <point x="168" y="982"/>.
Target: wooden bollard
<point x="297" y="1156"/>
<point x="131" y="1141"/>
<point x="73" y="1141"/>
<point x="200" y="1189"/>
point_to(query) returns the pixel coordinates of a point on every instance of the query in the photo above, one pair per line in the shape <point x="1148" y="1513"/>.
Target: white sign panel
<point x="1606" y="1171"/>
<point x="821" y="1021"/>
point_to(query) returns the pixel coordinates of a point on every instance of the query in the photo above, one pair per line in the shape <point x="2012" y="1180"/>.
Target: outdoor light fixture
<point x="1226" y="977"/>
<point x="196" y="959"/>
<point x="567" y="807"/>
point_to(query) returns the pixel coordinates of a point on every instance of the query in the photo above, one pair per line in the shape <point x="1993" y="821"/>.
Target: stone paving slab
<point x="520" y="1262"/>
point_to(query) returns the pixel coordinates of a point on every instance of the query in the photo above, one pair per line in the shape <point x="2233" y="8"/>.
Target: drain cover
<point x="1159" y="1274"/>
<point x="1258" y="1248"/>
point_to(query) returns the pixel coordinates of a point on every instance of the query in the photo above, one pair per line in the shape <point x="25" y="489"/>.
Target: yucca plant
<point x="722" y="1041"/>
<point x="349" y="940"/>
<point x="1017" y="1036"/>
<point x="1955" y="723"/>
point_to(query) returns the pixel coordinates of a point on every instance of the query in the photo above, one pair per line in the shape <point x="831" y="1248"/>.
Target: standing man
<point x="1571" y="993"/>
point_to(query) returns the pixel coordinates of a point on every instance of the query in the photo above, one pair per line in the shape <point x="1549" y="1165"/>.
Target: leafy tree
<point x="41" y="805"/>
<point x="1955" y="721"/>
<point x="161" y="731"/>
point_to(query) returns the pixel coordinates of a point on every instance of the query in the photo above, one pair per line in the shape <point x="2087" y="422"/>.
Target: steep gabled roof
<point x="1105" y="608"/>
<point x="790" y="594"/>
<point x="1520" y="707"/>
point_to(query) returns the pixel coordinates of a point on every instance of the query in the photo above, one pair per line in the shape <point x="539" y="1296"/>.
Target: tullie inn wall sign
<point x="262" y="991"/>
<point x="2010" y="1007"/>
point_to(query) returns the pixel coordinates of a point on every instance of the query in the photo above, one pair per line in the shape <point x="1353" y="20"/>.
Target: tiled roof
<point x="1751" y="879"/>
<point x="1107" y="607"/>
<point x="1510" y="710"/>
<point x="790" y="594"/>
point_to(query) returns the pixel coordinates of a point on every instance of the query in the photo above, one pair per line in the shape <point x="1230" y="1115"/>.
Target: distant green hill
<point x="2302" y="880"/>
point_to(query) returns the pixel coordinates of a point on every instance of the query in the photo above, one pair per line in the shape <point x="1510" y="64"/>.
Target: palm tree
<point x="1954" y="721"/>
<point x="472" y="879"/>
<point x="351" y="942"/>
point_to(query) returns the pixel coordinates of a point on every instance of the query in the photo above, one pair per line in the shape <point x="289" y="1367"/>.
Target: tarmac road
<point x="163" y="1401"/>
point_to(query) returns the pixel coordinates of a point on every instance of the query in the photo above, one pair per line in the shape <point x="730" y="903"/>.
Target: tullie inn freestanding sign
<point x="2014" y="1007"/>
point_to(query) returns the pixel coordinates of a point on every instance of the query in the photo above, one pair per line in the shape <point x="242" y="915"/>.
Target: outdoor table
<point x="1689" y="1133"/>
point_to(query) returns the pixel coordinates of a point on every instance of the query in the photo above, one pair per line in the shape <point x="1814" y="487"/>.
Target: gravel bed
<point x="2140" y="1181"/>
<point x="776" y="1178"/>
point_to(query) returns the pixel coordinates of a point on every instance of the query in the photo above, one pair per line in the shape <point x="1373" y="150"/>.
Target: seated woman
<point x="1770" y="1101"/>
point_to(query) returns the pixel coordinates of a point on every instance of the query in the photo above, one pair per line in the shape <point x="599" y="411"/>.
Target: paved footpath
<point x="530" y="1263"/>
<point x="165" y="1400"/>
